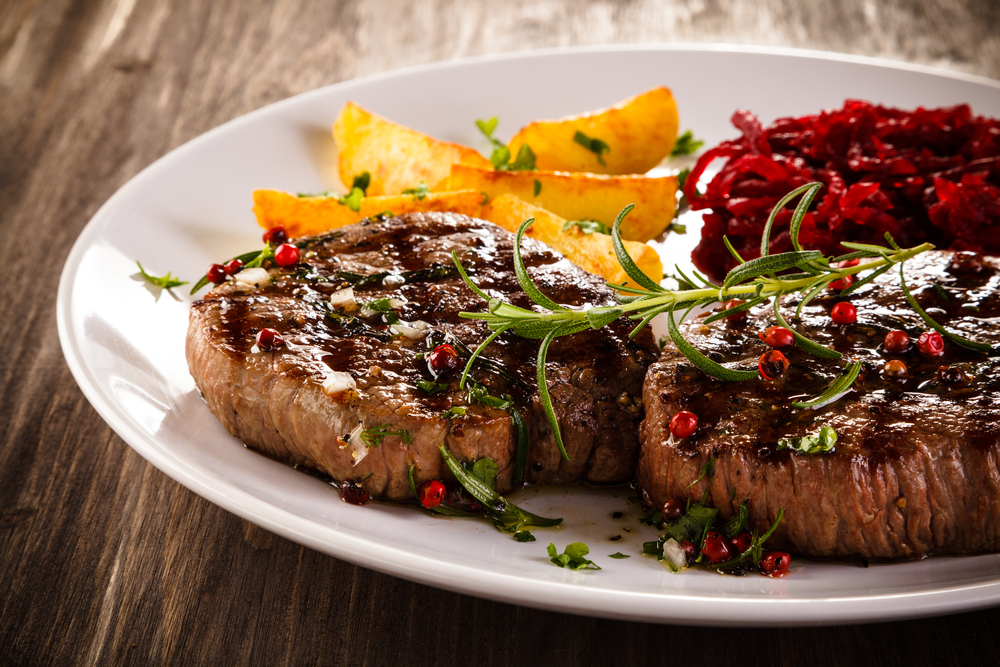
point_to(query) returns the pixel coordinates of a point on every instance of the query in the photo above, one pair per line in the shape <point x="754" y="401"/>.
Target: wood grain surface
<point x="103" y="559"/>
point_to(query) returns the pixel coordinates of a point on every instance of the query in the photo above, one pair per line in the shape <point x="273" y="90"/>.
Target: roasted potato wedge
<point x="302" y="216"/>
<point x="397" y="157"/>
<point x="638" y="133"/>
<point x="577" y="196"/>
<point x="592" y="252"/>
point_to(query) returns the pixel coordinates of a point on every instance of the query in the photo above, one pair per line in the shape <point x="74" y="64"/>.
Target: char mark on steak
<point x="915" y="471"/>
<point x="275" y="401"/>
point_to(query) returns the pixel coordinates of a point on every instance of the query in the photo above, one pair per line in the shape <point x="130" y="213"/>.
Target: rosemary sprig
<point x="755" y="281"/>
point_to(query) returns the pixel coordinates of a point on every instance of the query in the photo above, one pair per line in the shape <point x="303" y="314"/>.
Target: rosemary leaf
<point x="524" y="279"/>
<point x="761" y="266"/>
<point x="955" y="338"/>
<point x="700" y="360"/>
<point x="837" y="388"/>
<point x="803" y="343"/>
<point x="628" y="265"/>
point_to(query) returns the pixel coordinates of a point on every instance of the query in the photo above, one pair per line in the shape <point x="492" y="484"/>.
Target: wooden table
<point x="103" y="559"/>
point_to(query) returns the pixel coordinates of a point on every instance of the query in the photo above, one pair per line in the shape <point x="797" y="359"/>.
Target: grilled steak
<point x="915" y="469"/>
<point x="374" y="366"/>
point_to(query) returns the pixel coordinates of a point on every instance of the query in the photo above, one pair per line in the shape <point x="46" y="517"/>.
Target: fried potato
<point x="577" y="196"/>
<point x="638" y="133"/>
<point x="397" y="157"/>
<point x="592" y="252"/>
<point x="301" y="216"/>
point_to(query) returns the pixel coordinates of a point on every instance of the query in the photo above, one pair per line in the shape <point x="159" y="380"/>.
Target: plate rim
<point x="571" y="598"/>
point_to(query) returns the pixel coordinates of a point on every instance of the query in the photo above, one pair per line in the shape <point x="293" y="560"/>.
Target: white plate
<point x="124" y="340"/>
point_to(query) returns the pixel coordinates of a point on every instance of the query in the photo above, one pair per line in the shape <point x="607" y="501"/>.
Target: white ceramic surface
<point x="124" y="340"/>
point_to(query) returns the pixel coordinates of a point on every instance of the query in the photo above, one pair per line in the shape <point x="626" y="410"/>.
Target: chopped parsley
<point x="361" y="182"/>
<point x="575" y="557"/>
<point x="379" y="305"/>
<point x="500" y="158"/>
<point x="373" y="437"/>
<point x="431" y="387"/>
<point x="524" y="536"/>
<point x="454" y="411"/>
<point x="166" y="282"/>
<point x="595" y="146"/>
<point x="686" y="145"/>
<point x="618" y="555"/>
<point x="587" y="226"/>
<point x="821" y="442"/>
<point x="420" y="192"/>
<point x="537" y="187"/>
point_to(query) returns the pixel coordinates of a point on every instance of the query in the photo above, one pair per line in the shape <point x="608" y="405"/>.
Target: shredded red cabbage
<point x="925" y="175"/>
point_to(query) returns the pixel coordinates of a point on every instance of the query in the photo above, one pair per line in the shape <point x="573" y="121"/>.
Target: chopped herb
<point x="587" y="226"/>
<point x="454" y="411"/>
<point x="693" y="525"/>
<point x="682" y="177"/>
<point x="524" y="536"/>
<point x="361" y="182"/>
<point x="618" y="555"/>
<point x="575" y="557"/>
<point x="500" y="158"/>
<point x="419" y="192"/>
<point x="686" y="145"/>
<point x="432" y="387"/>
<point x="485" y="470"/>
<point x="373" y="437"/>
<point x="677" y="228"/>
<point x="351" y="200"/>
<point x="538" y="187"/>
<point x="166" y="282"/>
<point x="485" y="199"/>
<point x="822" y="441"/>
<point x="595" y="146"/>
<point x="507" y="517"/>
<point x="379" y="305"/>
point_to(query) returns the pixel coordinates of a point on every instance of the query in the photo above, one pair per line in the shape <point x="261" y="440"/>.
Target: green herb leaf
<point x="734" y="526"/>
<point x="692" y="525"/>
<point x="538" y="188"/>
<point x="420" y="192"/>
<point x="707" y="469"/>
<point x="485" y="470"/>
<point x="525" y="160"/>
<point x="575" y="557"/>
<point x="821" y="442"/>
<point x="487" y="127"/>
<point x="361" y="182"/>
<point x="587" y="226"/>
<point x="801" y="341"/>
<point x="677" y="228"/>
<point x="166" y="282"/>
<point x="378" y="305"/>
<point x="595" y="146"/>
<point x="454" y="411"/>
<point x="373" y="437"/>
<point x="431" y="388"/>
<point x="618" y="555"/>
<point x="500" y="158"/>
<point x="768" y="265"/>
<point x="524" y="536"/>
<point x="440" y="509"/>
<point x="808" y="191"/>
<point x="686" y="144"/>
<point x="627" y="264"/>
<point x="507" y="517"/>
<point x="522" y="273"/>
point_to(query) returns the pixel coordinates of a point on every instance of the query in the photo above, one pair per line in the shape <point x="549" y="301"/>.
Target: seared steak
<point x="373" y="365"/>
<point x="916" y="470"/>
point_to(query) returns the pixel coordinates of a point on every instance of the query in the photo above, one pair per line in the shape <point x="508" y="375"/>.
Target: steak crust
<point x="915" y="471"/>
<point x="275" y="403"/>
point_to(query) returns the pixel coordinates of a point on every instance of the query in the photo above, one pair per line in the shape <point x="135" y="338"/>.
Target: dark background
<point x="103" y="559"/>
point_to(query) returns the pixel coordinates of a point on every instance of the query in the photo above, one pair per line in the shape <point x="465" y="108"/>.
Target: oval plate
<point x="124" y="340"/>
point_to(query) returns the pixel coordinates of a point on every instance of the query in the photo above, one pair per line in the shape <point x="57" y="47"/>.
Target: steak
<point x="915" y="467"/>
<point x="378" y="413"/>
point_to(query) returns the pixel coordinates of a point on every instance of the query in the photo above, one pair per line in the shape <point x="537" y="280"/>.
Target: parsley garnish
<point x="677" y="228"/>
<point x="537" y="186"/>
<point x="575" y="557"/>
<point x="822" y="441"/>
<point x="454" y="411"/>
<point x="618" y="555"/>
<point x="587" y="226"/>
<point x="373" y="437"/>
<point x="166" y="282"/>
<point x="419" y="192"/>
<point x="361" y="182"/>
<point x="500" y="158"/>
<point x="707" y="469"/>
<point x="686" y="144"/>
<point x="524" y="536"/>
<point x="432" y="387"/>
<point x="379" y="305"/>
<point x="440" y="509"/>
<point x="595" y="146"/>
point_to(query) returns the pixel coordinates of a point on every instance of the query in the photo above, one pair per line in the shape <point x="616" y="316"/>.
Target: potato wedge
<point x="302" y="216"/>
<point x="577" y="196"/>
<point x="397" y="157"/>
<point x="639" y="133"/>
<point x="592" y="252"/>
